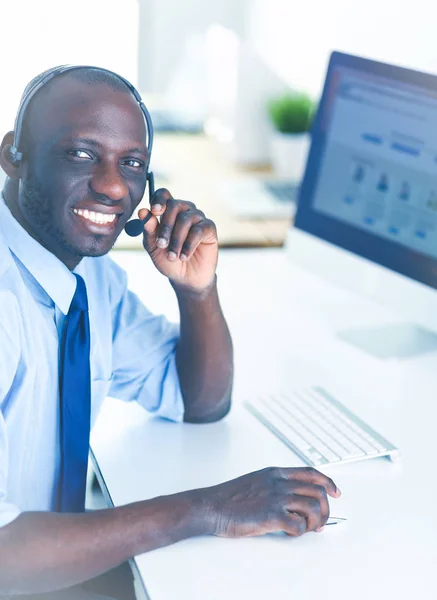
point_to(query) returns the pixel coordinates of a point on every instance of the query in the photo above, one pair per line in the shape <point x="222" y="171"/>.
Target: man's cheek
<point x="136" y="194"/>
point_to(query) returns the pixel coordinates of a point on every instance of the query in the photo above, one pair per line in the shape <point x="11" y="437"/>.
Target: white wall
<point x="143" y="39"/>
<point x="296" y="38"/>
<point x="166" y="25"/>
<point x="38" y="34"/>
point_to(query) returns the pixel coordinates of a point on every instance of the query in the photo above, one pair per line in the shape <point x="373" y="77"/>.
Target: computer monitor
<point x="367" y="208"/>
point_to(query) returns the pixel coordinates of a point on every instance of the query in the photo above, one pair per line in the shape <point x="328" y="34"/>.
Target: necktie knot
<point x="80" y="299"/>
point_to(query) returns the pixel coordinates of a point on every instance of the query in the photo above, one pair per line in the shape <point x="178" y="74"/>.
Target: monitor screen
<point x="370" y="184"/>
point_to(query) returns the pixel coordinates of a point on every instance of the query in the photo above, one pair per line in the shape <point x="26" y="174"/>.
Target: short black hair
<point x="89" y="75"/>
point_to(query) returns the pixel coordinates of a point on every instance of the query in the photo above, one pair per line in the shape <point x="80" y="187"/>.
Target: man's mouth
<point x="95" y="217"/>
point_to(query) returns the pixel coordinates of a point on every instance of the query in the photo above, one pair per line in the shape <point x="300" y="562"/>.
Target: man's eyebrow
<point x="80" y="140"/>
<point x="92" y="142"/>
<point x="138" y="150"/>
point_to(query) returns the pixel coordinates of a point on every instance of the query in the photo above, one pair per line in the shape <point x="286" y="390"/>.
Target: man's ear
<point x="6" y="163"/>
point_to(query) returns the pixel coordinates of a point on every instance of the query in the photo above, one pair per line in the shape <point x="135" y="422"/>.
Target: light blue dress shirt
<point x="132" y="358"/>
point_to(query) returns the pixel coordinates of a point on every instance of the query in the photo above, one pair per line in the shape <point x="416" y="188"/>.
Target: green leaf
<point x="291" y="113"/>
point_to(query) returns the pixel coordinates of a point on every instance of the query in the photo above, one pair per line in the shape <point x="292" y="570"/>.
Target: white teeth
<point x="95" y="217"/>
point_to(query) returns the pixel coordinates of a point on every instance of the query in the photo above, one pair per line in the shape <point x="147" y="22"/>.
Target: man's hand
<point x="274" y="499"/>
<point x="58" y="550"/>
<point x="183" y="245"/>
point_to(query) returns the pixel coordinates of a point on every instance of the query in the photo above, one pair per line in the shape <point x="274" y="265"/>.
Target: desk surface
<point x="194" y="166"/>
<point x="387" y="548"/>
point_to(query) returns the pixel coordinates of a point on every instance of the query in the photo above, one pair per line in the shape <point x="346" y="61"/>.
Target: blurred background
<point x="229" y="84"/>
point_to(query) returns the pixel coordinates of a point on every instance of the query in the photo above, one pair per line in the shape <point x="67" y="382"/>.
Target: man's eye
<point x="80" y="154"/>
<point x="131" y="162"/>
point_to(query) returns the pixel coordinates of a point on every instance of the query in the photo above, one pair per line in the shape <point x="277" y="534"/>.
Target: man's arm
<point x="204" y="355"/>
<point x="183" y="246"/>
<point x="42" y="552"/>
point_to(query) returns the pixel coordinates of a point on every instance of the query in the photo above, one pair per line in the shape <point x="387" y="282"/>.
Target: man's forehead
<point x="70" y="105"/>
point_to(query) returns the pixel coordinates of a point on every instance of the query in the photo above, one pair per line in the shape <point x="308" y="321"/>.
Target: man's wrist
<point x="203" y="518"/>
<point x="176" y="517"/>
<point x="192" y="293"/>
<point x="197" y="518"/>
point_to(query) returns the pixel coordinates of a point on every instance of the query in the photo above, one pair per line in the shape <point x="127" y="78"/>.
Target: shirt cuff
<point x="171" y="404"/>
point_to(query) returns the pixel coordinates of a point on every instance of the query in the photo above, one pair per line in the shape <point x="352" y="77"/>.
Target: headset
<point x="17" y="154"/>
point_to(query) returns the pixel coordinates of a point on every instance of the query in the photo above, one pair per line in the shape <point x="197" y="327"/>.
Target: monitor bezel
<point x="392" y="255"/>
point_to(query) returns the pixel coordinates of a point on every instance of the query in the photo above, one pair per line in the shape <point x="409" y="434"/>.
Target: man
<point x="82" y="175"/>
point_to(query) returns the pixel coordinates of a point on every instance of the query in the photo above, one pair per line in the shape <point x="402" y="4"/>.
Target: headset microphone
<point x="135" y="227"/>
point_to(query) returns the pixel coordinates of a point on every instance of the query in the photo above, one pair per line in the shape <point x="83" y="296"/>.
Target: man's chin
<point x="94" y="247"/>
<point x="98" y="248"/>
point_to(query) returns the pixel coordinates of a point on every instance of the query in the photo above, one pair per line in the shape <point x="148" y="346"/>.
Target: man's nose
<point x="107" y="181"/>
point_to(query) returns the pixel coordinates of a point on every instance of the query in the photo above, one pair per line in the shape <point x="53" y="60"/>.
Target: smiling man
<point x="71" y="332"/>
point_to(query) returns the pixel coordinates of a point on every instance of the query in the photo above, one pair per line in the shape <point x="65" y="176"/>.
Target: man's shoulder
<point x="12" y="302"/>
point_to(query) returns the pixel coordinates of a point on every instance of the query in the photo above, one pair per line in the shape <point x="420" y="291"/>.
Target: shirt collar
<point x="51" y="274"/>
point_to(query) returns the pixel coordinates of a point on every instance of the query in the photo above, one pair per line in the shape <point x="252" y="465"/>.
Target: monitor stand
<point x="403" y="340"/>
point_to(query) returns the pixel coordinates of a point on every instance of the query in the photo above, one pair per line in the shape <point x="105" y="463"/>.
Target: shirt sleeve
<point x="8" y="511"/>
<point x="143" y="353"/>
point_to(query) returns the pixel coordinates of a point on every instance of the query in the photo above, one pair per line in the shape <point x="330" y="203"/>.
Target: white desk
<point x="283" y="322"/>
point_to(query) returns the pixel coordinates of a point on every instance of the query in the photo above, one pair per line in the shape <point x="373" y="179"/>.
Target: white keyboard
<point x="318" y="428"/>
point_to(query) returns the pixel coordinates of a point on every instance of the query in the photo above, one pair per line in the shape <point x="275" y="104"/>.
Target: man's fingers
<point x="159" y="201"/>
<point x="310" y="475"/>
<point x="150" y="229"/>
<point x="152" y="222"/>
<point x="189" y="230"/>
<point x="185" y="223"/>
<point x="168" y="219"/>
<point x="307" y="507"/>
<point x="203" y="231"/>
<point x="316" y="492"/>
<point x="293" y="524"/>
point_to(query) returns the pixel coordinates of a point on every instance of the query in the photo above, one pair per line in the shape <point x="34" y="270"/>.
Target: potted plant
<point x="291" y="115"/>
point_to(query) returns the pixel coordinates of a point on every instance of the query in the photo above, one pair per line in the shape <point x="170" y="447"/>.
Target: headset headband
<point x="17" y="155"/>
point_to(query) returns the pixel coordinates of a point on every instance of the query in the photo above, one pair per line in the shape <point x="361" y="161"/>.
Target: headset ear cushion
<point x="15" y="155"/>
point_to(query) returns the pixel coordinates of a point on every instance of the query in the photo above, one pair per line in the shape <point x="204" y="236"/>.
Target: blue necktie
<point x="75" y="395"/>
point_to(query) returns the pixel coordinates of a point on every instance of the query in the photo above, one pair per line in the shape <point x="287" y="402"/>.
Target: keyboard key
<point x="315" y="457"/>
<point x="287" y="430"/>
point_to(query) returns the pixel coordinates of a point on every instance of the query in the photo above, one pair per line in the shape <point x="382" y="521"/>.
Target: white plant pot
<point x="288" y="153"/>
